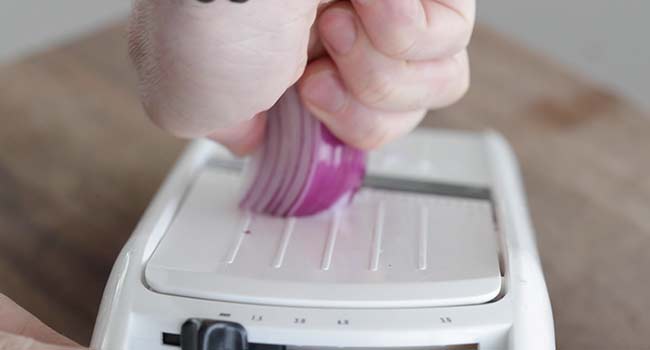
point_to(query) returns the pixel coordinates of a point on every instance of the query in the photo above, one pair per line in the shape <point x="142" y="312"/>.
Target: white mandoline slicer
<point x="435" y="252"/>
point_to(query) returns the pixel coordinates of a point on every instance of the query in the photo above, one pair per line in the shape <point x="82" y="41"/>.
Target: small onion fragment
<point x="302" y="169"/>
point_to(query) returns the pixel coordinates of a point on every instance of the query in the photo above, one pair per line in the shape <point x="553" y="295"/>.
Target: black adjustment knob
<point x="199" y="334"/>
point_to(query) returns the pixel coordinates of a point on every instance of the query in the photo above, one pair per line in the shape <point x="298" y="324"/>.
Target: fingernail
<point x="339" y="30"/>
<point x="325" y="92"/>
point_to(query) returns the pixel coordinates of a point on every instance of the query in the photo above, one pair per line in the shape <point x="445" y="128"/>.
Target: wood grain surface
<point x="79" y="162"/>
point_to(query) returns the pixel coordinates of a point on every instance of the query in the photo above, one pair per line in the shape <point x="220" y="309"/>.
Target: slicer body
<point x="435" y="251"/>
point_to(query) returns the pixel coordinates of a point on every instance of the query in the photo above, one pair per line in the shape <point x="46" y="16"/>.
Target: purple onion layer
<point x="321" y="170"/>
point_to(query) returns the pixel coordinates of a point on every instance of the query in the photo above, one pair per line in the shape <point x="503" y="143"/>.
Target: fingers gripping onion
<point x="302" y="168"/>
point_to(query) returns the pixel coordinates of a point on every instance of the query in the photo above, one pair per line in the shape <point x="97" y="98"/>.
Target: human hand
<point x="19" y="330"/>
<point x="213" y="70"/>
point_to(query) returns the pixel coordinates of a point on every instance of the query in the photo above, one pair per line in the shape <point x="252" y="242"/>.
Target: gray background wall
<point x="606" y="41"/>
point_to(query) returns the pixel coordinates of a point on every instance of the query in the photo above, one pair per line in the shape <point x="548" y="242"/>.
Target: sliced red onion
<point x="302" y="169"/>
<point x="275" y="168"/>
<point x="257" y="178"/>
<point x="292" y="131"/>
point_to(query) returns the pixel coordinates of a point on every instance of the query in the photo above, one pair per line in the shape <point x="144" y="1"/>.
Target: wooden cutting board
<point x="79" y="163"/>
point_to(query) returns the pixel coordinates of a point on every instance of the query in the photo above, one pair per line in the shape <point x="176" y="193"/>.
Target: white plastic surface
<point x="387" y="249"/>
<point x="452" y="158"/>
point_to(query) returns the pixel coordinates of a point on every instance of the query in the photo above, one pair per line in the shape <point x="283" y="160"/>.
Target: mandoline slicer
<point x="435" y="252"/>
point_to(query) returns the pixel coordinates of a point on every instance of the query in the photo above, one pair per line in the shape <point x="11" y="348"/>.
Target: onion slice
<point x="261" y="169"/>
<point x="303" y="169"/>
<point x="293" y="131"/>
<point x="276" y="167"/>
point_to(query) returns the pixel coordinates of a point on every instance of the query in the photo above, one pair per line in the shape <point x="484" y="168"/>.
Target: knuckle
<point x="379" y="89"/>
<point x="456" y="94"/>
<point x="400" y="46"/>
<point x="463" y="87"/>
<point x="462" y="81"/>
<point x="380" y="139"/>
<point x="463" y="37"/>
<point x="455" y="88"/>
<point x="456" y="35"/>
<point x="376" y="136"/>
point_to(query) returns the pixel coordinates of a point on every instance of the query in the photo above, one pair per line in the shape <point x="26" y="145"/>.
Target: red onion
<point x="302" y="168"/>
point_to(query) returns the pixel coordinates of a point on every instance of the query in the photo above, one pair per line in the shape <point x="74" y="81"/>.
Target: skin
<point x="19" y="330"/>
<point x="369" y="69"/>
